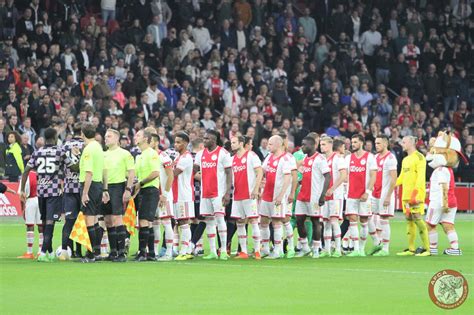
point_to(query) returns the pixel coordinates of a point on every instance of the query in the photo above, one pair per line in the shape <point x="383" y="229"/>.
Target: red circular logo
<point x="448" y="289"/>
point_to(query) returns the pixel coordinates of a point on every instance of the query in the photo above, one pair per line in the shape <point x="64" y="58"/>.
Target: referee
<point x="91" y="168"/>
<point x="147" y="168"/>
<point x="119" y="173"/>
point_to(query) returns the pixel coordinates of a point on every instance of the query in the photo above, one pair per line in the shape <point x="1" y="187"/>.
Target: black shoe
<point x="77" y="255"/>
<point x="151" y="257"/>
<point x="86" y="260"/>
<point x="419" y="250"/>
<point x="99" y="258"/>
<point x="140" y="257"/>
<point x="351" y="249"/>
<point x="120" y="258"/>
<point x="111" y="257"/>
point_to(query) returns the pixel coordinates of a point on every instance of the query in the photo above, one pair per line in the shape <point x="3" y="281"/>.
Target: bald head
<point x="275" y="144"/>
<point x="409" y="144"/>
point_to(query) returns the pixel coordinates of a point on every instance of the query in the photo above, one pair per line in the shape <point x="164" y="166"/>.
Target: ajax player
<point x="314" y="185"/>
<point x="274" y="206"/>
<point x="32" y="215"/>
<point x="247" y="176"/>
<point x="361" y="179"/>
<point x="332" y="209"/>
<point x="383" y="199"/>
<point x="215" y="164"/>
<point x="183" y="193"/>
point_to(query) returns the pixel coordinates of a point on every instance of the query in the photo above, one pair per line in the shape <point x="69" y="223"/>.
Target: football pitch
<point x="375" y="285"/>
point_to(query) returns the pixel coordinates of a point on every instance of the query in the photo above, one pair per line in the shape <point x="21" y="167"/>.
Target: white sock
<point x="40" y="241"/>
<point x="256" y="237"/>
<point x="385" y="225"/>
<point x="242" y="234"/>
<point x="199" y="244"/>
<point x="211" y="234"/>
<point x="453" y="239"/>
<point x="336" y="230"/>
<point x="327" y="234"/>
<point x="185" y="238"/>
<point x="289" y="235"/>
<point x="30" y="239"/>
<point x="104" y="244"/>
<point x="222" y="230"/>
<point x="157" y="236"/>
<point x="278" y="236"/>
<point x="168" y="236"/>
<point x="433" y="236"/>
<point x="316" y="245"/>
<point x="265" y="233"/>
<point x="345" y="239"/>
<point x="175" y="239"/>
<point x="304" y="243"/>
<point x="373" y="231"/>
<point x="354" y="232"/>
<point x="364" y="231"/>
<point x="378" y="226"/>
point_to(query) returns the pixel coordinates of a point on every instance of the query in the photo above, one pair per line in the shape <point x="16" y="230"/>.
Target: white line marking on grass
<point x="316" y="267"/>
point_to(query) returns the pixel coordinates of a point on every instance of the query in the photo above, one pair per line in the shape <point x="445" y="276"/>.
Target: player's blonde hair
<point x="115" y="132"/>
<point x="326" y="139"/>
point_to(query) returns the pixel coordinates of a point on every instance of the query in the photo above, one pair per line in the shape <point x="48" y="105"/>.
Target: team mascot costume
<point x="442" y="158"/>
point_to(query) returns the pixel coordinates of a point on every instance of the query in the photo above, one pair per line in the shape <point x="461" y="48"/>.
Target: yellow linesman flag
<point x="130" y="217"/>
<point x="79" y="232"/>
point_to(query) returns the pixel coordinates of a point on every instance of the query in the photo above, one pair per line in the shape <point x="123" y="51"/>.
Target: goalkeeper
<point x="412" y="178"/>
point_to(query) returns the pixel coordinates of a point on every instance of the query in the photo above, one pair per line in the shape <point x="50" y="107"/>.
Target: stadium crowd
<point x="254" y="67"/>
<point x="371" y="76"/>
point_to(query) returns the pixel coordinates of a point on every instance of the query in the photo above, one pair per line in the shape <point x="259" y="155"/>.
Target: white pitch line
<point x="315" y="268"/>
<point x="297" y="268"/>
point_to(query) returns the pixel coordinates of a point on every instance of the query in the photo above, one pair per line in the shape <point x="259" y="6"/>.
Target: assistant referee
<point x="147" y="168"/>
<point x="119" y="173"/>
<point x="91" y="168"/>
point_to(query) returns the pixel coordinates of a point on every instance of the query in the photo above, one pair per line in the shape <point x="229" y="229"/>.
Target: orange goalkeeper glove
<point x="413" y="200"/>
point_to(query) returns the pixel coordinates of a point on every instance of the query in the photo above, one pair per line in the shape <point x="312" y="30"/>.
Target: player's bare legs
<point x="211" y="230"/>
<point x="30" y="238"/>
<point x="385" y="236"/>
<point x="452" y="235"/>
<point x="317" y="234"/>
<point x="265" y="235"/>
<point x="185" y="239"/>
<point x="303" y="236"/>
<point x="278" y="239"/>
<point x="242" y="235"/>
<point x="354" y="234"/>
<point x="222" y="230"/>
<point x="364" y="232"/>
<point x="289" y="236"/>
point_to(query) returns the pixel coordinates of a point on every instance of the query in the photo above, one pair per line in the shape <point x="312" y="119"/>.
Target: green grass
<point x="358" y="285"/>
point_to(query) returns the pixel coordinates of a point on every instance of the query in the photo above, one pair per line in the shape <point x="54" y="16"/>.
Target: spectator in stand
<point x="14" y="165"/>
<point x="369" y="41"/>
<point x="450" y="89"/>
<point x="108" y="10"/>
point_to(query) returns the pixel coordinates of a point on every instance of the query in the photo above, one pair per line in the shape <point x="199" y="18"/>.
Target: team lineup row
<point x="80" y="176"/>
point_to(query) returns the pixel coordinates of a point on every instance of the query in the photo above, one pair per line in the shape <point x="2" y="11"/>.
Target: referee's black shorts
<point x="95" y="199"/>
<point x="115" y="206"/>
<point x="147" y="202"/>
